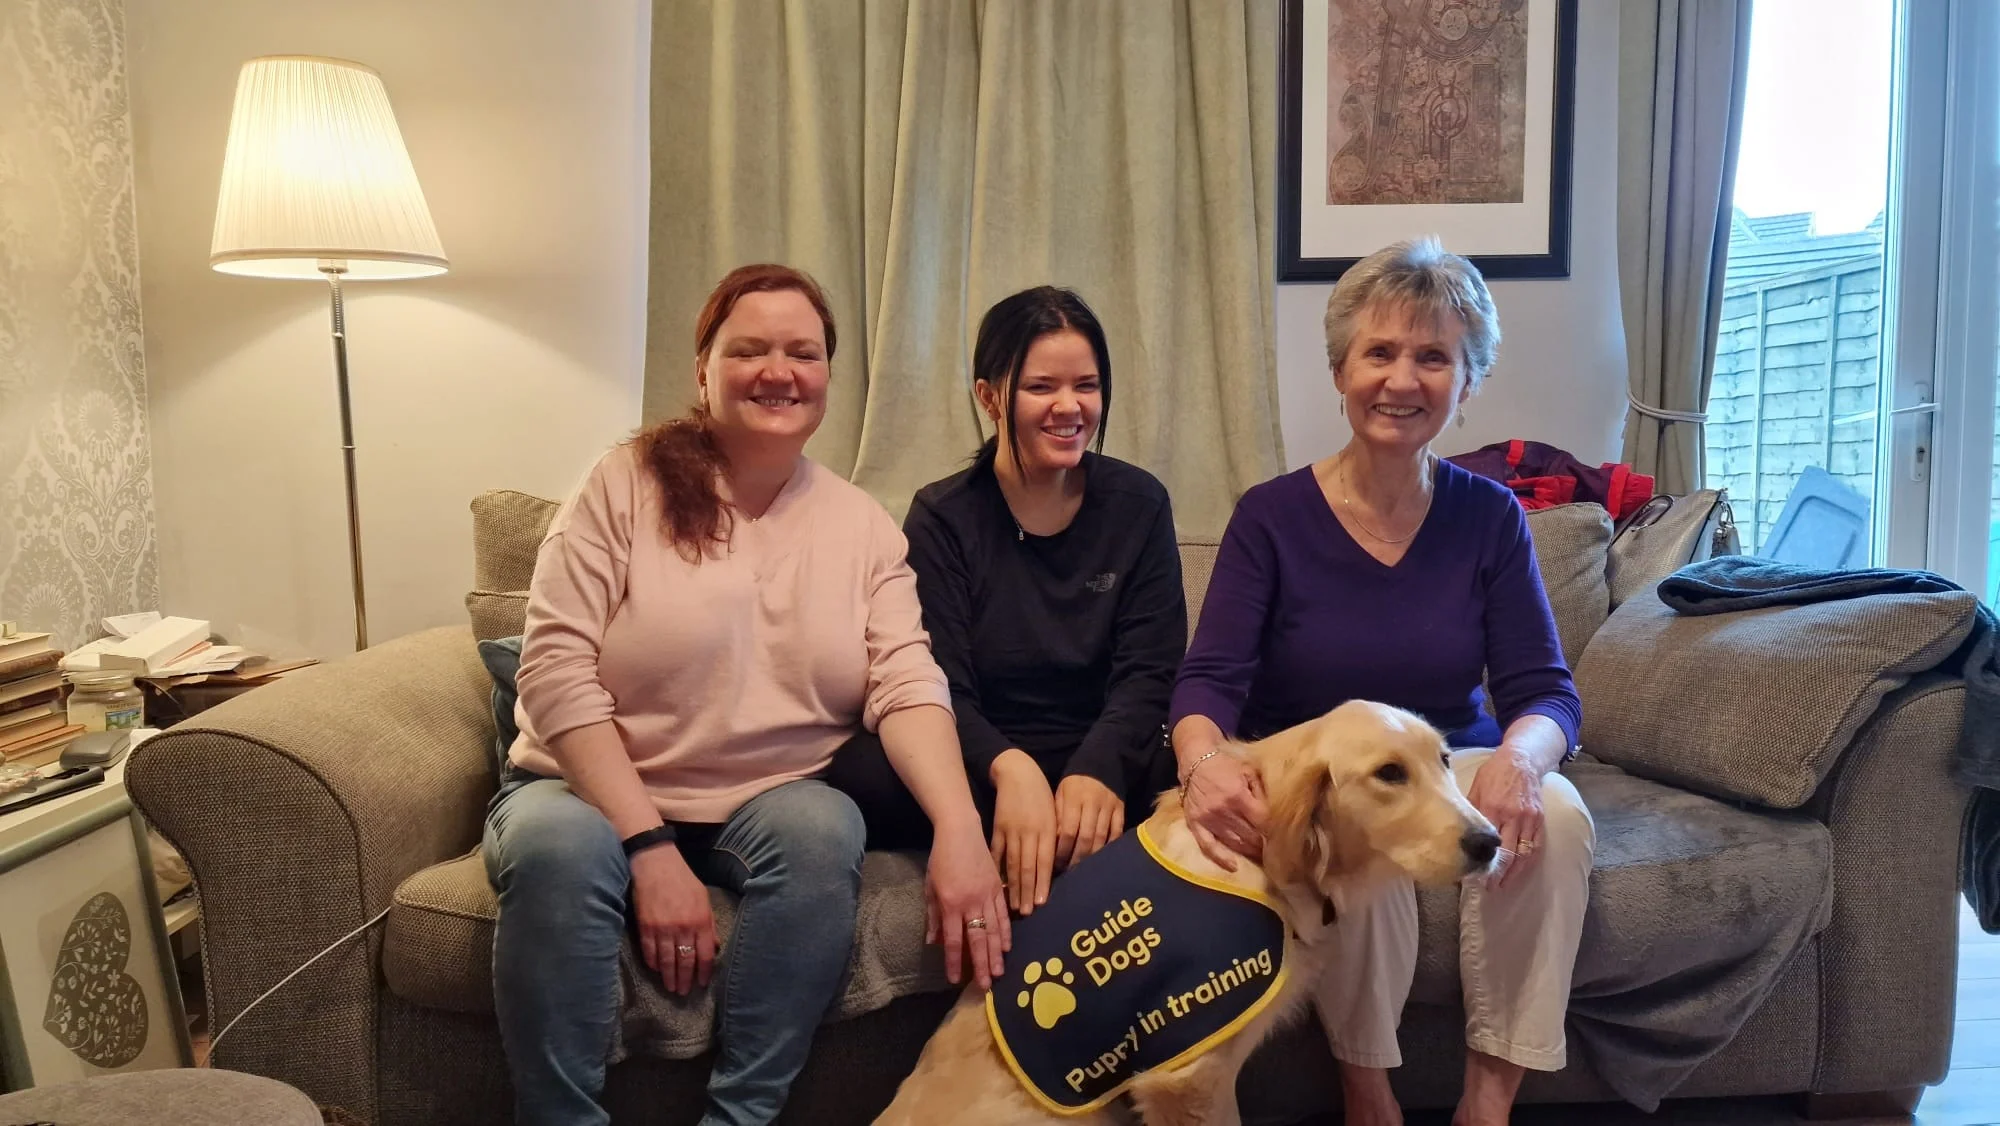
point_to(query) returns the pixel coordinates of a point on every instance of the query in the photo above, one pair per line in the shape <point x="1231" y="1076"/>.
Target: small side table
<point x="174" y="699"/>
<point x="87" y="972"/>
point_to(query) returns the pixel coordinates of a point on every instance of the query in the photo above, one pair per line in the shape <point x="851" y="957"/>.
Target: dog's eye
<point x="1392" y="773"/>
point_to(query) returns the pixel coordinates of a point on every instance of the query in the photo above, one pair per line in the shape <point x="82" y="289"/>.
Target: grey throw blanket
<point x="1736" y="582"/>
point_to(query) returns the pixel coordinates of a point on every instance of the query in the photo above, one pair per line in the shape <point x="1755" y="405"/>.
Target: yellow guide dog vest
<point x="1134" y="963"/>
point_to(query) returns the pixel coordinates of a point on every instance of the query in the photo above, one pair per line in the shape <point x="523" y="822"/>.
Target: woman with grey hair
<point x="1385" y="573"/>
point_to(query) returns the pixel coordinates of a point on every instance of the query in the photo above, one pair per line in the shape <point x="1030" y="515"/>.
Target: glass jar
<point x="105" y="701"/>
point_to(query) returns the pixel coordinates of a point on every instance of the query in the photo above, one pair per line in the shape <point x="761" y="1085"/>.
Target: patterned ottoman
<point x="183" y="1096"/>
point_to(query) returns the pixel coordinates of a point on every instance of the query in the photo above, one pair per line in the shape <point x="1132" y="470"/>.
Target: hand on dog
<point x="1088" y="817"/>
<point x="1024" y="829"/>
<point x="672" y="909"/>
<point x="1508" y="790"/>
<point x="1225" y="810"/>
<point x="963" y="885"/>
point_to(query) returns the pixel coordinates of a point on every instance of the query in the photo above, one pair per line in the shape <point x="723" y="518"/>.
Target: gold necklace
<point x="1347" y="502"/>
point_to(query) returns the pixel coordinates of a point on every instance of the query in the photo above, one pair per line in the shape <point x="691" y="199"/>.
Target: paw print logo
<point x="1051" y="999"/>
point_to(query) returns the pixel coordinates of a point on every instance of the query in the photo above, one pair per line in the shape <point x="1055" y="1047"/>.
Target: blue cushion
<point x="502" y="657"/>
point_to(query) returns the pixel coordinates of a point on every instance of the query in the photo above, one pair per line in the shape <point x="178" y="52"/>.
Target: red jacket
<point x="1543" y="476"/>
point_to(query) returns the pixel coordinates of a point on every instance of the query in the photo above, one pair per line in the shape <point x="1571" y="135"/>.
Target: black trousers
<point x="861" y="770"/>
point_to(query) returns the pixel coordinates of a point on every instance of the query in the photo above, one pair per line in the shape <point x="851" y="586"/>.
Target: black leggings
<point x="861" y="770"/>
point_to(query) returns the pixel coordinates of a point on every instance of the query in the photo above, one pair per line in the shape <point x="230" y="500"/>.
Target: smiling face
<point x="764" y="377"/>
<point x="1058" y="402"/>
<point x="1403" y="377"/>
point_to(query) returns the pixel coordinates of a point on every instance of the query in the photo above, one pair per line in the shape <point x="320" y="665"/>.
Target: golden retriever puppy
<point x="1360" y="793"/>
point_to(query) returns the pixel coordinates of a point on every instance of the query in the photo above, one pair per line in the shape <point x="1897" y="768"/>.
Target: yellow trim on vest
<point x="1187" y="1055"/>
<point x="1210" y="882"/>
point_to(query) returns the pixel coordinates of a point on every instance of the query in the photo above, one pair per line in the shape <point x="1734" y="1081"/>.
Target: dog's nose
<point x="1480" y="845"/>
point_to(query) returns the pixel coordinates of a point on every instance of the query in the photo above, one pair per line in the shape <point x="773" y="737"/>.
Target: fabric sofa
<point x="1772" y="908"/>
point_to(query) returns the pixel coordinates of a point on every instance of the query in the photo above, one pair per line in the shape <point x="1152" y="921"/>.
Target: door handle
<point x="1920" y="449"/>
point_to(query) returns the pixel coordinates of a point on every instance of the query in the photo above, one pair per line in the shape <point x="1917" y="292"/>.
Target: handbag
<point x="1668" y="533"/>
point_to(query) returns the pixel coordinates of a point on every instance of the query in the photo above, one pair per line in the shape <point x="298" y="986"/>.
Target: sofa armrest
<point x="300" y="807"/>
<point x="1888" y="960"/>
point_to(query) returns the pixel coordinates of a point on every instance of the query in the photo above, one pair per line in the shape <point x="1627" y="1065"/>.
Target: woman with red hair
<point x="713" y="615"/>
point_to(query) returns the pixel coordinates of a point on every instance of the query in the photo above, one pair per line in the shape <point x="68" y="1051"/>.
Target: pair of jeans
<point x="793" y="855"/>
<point x="1517" y="948"/>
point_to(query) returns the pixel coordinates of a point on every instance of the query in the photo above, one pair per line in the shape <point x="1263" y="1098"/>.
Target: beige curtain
<point x="1681" y="70"/>
<point x="924" y="158"/>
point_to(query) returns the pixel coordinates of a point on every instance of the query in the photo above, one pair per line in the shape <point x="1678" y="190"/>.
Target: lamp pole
<point x="333" y="270"/>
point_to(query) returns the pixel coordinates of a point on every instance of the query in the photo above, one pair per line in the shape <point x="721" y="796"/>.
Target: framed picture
<point x="1400" y="118"/>
<point x="87" y="980"/>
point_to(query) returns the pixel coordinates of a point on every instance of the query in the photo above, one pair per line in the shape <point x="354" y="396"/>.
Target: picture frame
<point x="88" y="984"/>
<point x="1474" y="143"/>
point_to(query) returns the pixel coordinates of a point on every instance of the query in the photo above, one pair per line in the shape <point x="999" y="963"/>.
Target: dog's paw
<point x="1051" y="999"/>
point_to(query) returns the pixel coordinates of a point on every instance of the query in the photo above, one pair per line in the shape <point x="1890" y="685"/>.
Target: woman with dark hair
<point x="1051" y="587"/>
<point x="712" y="615"/>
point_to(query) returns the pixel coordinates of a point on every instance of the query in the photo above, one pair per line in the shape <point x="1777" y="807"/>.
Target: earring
<point x="1343" y="408"/>
<point x="1461" y="420"/>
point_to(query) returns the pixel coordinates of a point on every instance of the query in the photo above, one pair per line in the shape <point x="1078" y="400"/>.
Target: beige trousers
<point x="1517" y="948"/>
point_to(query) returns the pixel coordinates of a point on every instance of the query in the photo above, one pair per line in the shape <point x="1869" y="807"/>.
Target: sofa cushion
<point x="1668" y="696"/>
<point x="1668" y="863"/>
<point x="502" y="658"/>
<point x="1696" y="908"/>
<point x="438" y="952"/>
<point x="507" y="532"/>
<point x="497" y="613"/>
<point x="1197" y="568"/>
<point x="1571" y="541"/>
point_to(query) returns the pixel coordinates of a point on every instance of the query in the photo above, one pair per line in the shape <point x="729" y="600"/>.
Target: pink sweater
<point x="732" y="677"/>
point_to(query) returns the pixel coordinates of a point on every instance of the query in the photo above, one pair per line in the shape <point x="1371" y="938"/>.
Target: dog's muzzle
<point x="1480" y="845"/>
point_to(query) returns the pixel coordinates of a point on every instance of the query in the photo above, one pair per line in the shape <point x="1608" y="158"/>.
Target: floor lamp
<point x="316" y="184"/>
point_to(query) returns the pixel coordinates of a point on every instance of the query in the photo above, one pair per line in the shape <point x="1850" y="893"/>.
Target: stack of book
<point x="34" y="725"/>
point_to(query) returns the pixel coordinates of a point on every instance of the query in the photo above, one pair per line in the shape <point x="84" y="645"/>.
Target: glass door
<point x="1965" y="535"/>
<point x="1803" y="429"/>
<point x="1853" y="414"/>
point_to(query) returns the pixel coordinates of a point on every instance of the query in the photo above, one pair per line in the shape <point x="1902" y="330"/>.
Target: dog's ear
<point x="1297" y="842"/>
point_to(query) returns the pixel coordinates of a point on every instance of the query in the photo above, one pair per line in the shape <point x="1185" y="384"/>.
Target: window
<point x="1794" y="405"/>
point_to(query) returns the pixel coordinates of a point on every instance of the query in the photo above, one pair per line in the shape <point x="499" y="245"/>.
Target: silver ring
<point x="976" y="924"/>
<point x="684" y="951"/>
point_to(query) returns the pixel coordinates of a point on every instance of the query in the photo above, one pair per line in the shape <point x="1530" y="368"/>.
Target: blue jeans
<point x="794" y="856"/>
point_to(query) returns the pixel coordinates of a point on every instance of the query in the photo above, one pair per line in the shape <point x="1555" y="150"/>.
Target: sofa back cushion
<point x="1571" y="543"/>
<point x="507" y="531"/>
<point x="1669" y="696"/>
<point x="1197" y="567"/>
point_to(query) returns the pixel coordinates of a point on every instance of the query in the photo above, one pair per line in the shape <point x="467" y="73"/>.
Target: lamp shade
<point x="316" y="172"/>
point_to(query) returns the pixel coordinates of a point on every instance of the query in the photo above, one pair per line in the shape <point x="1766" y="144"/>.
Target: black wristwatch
<point x="657" y="835"/>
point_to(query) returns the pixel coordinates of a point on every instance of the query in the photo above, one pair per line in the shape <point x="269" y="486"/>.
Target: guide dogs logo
<point x="1133" y="964"/>
<point x="1051" y="1001"/>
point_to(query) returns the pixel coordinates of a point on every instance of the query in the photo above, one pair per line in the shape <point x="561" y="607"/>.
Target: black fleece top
<point x="1063" y="646"/>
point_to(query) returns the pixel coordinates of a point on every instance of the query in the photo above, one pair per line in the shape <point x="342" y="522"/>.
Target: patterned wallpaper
<point x="76" y="492"/>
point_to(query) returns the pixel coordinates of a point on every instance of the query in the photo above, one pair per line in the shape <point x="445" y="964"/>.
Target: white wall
<point x="526" y="122"/>
<point x="1561" y="375"/>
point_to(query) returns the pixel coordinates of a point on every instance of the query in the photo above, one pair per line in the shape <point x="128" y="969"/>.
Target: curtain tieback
<point x="1696" y="417"/>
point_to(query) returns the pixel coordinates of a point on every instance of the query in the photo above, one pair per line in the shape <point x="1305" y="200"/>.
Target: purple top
<point x="1300" y="619"/>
